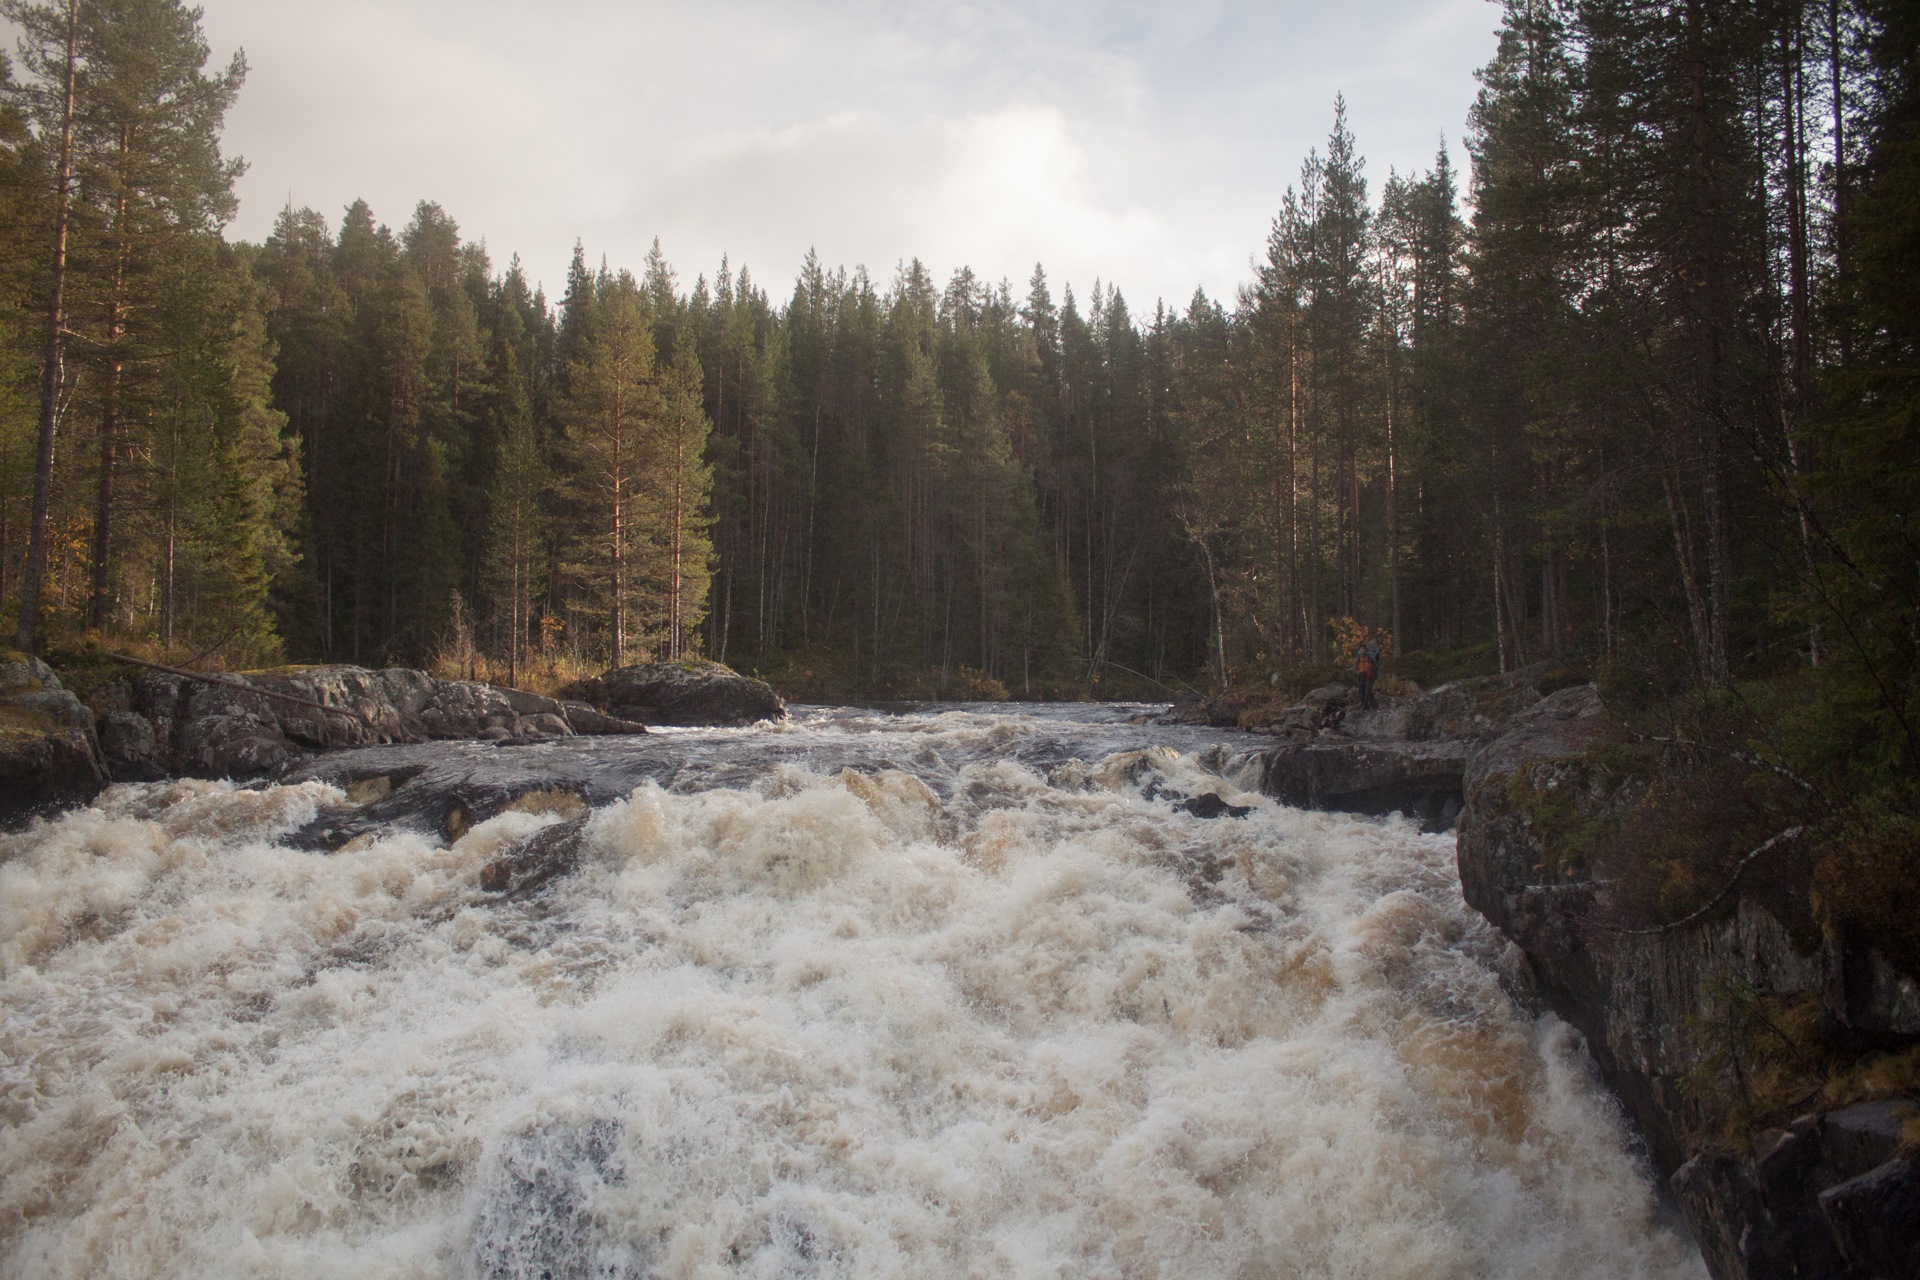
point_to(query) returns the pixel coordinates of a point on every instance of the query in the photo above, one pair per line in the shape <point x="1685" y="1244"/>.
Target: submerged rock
<point x="49" y="754"/>
<point x="1212" y="806"/>
<point x="535" y="1215"/>
<point x="547" y="853"/>
<point x="680" y="693"/>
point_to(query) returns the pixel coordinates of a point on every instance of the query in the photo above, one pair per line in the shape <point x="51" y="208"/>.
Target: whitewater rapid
<point x="983" y="1014"/>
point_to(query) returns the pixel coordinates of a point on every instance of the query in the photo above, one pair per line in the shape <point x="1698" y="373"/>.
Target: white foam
<point x="830" y="1027"/>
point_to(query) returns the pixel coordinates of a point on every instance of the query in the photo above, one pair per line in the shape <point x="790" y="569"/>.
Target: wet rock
<point x="1419" y="779"/>
<point x="1834" y="1198"/>
<point x="1875" y="1218"/>
<point x="447" y="788"/>
<point x="1717" y="1193"/>
<point x="161" y="724"/>
<point x="582" y="718"/>
<point x="1188" y="709"/>
<point x="131" y="747"/>
<point x="1409" y="756"/>
<point x="679" y="693"/>
<point x="229" y="732"/>
<point x="1212" y="806"/>
<point x="49" y="754"/>
<point x="548" y="853"/>
<point x="1321" y="711"/>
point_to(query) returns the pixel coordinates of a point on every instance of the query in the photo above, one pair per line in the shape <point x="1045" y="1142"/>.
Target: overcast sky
<point x="1147" y="144"/>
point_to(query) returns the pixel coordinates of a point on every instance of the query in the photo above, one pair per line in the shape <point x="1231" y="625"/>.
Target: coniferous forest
<point x="1639" y="390"/>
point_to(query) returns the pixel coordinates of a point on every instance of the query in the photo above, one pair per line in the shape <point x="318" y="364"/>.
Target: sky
<point x="1146" y="145"/>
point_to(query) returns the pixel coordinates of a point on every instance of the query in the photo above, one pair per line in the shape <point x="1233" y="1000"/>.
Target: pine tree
<point x="20" y="238"/>
<point x="611" y="394"/>
<point x="515" y="501"/>
<point x="50" y="44"/>
<point x="147" y="154"/>
<point x="223" y="489"/>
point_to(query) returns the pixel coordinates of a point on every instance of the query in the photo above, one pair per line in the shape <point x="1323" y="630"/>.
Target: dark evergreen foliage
<point x="1652" y="403"/>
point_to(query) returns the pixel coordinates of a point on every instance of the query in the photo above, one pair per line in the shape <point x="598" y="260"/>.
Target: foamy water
<point x="833" y="1023"/>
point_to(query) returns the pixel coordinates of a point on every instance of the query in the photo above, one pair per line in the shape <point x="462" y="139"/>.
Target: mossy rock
<point x="16" y="719"/>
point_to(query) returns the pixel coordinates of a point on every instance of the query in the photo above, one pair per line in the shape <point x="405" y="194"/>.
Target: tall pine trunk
<point x="34" y="578"/>
<point x="1708" y="318"/>
<point x="116" y="328"/>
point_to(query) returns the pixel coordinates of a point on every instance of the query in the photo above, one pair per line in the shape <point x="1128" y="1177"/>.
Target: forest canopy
<point x="1639" y="389"/>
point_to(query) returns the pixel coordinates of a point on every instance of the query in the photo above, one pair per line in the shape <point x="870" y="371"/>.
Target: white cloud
<point x="998" y="190"/>
<point x="1144" y="143"/>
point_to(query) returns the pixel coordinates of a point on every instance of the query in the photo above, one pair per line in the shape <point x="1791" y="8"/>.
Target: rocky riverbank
<point x="1685" y="1016"/>
<point x="1407" y="756"/>
<point x="55" y="749"/>
<point x="1530" y="766"/>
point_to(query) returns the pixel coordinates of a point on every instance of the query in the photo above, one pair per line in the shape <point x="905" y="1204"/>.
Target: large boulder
<point x="680" y="693"/>
<point x="1409" y="755"/>
<point x="164" y="724"/>
<point x="49" y="754"/>
<point x="1418" y="779"/>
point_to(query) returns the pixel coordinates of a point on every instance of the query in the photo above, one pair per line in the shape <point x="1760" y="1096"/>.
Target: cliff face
<point x="1834" y="1193"/>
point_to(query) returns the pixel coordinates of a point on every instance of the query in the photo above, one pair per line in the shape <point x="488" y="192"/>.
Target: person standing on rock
<point x="1366" y="665"/>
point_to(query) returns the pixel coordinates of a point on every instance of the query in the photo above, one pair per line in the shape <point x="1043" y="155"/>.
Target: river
<point x="949" y="992"/>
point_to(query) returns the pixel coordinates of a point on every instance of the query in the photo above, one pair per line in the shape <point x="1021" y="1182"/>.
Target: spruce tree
<point x="679" y="488"/>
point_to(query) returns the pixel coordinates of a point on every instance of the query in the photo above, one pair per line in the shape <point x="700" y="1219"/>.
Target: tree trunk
<point x="617" y="624"/>
<point x="34" y="577"/>
<point x="1393" y="513"/>
<point x="1708" y="315"/>
<point x="102" y="603"/>
<point x="1689" y="579"/>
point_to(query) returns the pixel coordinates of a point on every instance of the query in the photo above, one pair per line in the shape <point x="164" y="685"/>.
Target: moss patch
<point x="1563" y="804"/>
<point x="85" y="670"/>
<point x="29" y="721"/>
<point x="1431" y="668"/>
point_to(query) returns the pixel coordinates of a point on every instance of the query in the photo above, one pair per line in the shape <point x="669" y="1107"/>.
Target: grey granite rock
<point x="49" y="754"/>
<point x="679" y="693"/>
